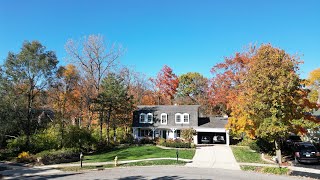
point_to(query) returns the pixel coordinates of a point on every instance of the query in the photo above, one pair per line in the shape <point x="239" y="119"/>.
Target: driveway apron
<point x="217" y="156"/>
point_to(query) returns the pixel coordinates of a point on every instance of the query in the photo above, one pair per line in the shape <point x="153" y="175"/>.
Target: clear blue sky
<point x="186" y="35"/>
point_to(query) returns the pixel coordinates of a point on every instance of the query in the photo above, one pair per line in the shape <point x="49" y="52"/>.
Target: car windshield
<point x="295" y="138"/>
<point x="306" y="148"/>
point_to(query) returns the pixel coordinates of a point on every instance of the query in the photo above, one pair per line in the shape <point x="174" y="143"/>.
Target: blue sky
<point x="188" y="36"/>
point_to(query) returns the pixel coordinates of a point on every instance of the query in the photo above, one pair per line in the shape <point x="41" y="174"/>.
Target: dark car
<point x="293" y="139"/>
<point x="306" y="152"/>
<point x="205" y="139"/>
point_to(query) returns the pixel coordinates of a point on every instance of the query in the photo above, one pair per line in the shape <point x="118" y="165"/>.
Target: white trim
<point x="166" y="115"/>
<point x="144" y="119"/>
<point x="175" y="118"/>
<point x="149" y="114"/>
<point x="183" y="118"/>
<point x="210" y="130"/>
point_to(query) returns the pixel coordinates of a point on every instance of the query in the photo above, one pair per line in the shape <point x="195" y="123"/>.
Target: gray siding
<point x="192" y="110"/>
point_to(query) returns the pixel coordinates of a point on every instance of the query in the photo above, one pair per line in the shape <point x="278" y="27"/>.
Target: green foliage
<point x="47" y="139"/>
<point x="275" y="170"/>
<point x="59" y="156"/>
<point x="177" y="143"/>
<point x="269" y="170"/>
<point x="76" y="137"/>
<point x="245" y="154"/>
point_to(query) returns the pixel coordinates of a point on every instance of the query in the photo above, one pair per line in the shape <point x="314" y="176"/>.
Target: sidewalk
<point x="218" y="156"/>
<point x="110" y="162"/>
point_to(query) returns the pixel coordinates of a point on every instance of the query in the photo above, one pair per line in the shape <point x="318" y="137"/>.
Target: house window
<point x="145" y="133"/>
<point x="178" y="118"/>
<point x="186" y="118"/>
<point x="150" y="118"/>
<point x="146" y="118"/>
<point x="164" y="118"/>
<point x="142" y="118"/>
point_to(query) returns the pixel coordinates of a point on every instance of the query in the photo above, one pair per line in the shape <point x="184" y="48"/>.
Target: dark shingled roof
<point x="212" y="122"/>
<point x="164" y="108"/>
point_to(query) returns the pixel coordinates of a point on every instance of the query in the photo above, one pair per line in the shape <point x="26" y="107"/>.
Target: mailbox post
<point x="81" y="158"/>
<point x="177" y="152"/>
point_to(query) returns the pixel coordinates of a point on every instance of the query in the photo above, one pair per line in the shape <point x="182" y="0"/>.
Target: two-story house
<point x="167" y="121"/>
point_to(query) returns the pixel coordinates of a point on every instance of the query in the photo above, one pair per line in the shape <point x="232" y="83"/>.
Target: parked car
<point x="205" y="139"/>
<point x="218" y="139"/>
<point x="306" y="152"/>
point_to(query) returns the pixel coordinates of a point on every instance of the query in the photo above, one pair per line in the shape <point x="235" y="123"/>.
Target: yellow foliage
<point x="24" y="155"/>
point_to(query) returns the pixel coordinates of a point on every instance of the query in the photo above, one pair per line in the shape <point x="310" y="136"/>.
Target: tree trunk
<point x="101" y="123"/>
<point x="278" y="152"/>
<point x="108" y="125"/>
<point x="28" y="129"/>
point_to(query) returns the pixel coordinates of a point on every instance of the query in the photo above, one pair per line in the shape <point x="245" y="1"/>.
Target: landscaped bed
<point x="139" y="152"/>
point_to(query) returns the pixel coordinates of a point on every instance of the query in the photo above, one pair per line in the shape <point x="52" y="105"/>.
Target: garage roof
<point x="212" y="122"/>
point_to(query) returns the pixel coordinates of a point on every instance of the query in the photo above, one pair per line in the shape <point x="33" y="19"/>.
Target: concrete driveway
<point x="217" y="156"/>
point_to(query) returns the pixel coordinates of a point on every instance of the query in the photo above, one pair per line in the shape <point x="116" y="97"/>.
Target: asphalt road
<point x="171" y="173"/>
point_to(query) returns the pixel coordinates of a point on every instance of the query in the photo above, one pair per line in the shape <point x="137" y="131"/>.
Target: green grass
<point x="139" y="152"/>
<point x="268" y="170"/>
<point x="142" y="163"/>
<point x="245" y="154"/>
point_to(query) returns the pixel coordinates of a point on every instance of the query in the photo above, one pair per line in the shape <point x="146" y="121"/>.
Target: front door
<point x="164" y="134"/>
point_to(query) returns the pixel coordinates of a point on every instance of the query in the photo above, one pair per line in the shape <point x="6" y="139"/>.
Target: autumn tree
<point x="165" y="84"/>
<point x="314" y="82"/>
<point x="270" y="100"/>
<point x="31" y="71"/>
<point x="65" y="96"/>
<point x="95" y="58"/>
<point x="193" y="86"/>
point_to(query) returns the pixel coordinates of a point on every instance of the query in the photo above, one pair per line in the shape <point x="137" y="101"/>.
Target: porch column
<point x="153" y="130"/>
<point x="227" y="138"/>
<point x="134" y="133"/>
<point x="173" y="130"/>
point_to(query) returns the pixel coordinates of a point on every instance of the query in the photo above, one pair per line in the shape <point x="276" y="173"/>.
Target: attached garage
<point x="212" y="130"/>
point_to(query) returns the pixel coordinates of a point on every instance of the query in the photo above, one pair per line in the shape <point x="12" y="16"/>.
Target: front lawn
<point x="246" y="155"/>
<point x="268" y="170"/>
<point x="139" y="152"/>
<point x="141" y="163"/>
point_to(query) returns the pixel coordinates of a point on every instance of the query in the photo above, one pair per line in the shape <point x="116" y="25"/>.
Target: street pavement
<point x="173" y="173"/>
<point x="217" y="156"/>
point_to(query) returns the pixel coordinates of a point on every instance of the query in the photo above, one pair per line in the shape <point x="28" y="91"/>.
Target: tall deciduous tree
<point x="31" y="70"/>
<point x="270" y="100"/>
<point x="95" y="59"/>
<point x="192" y="85"/>
<point x="166" y="84"/>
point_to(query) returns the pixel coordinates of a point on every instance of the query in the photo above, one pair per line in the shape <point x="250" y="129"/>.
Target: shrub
<point x="146" y="140"/>
<point x="25" y="157"/>
<point x="160" y="141"/>
<point x="76" y="137"/>
<point x="59" y="156"/>
<point x="177" y="143"/>
<point x="187" y="134"/>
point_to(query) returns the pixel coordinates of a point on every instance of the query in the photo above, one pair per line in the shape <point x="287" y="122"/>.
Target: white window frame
<point x="166" y="115"/>
<point x="144" y="119"/>
<point x="147" y="119"/>
<point x="175" y="118"/>
<point x="188" y="118"/>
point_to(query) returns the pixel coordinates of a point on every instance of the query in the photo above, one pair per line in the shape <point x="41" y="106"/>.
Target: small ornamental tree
<point x="187" y="134"/>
